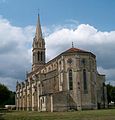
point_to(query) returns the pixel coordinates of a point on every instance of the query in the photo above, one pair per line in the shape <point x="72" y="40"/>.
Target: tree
<point x="11" y="99"/>
<point x="110" y="93"/>
<point x="113" y="95"/>
<point x="6" y="96"/>
<point x="109" y="89"/>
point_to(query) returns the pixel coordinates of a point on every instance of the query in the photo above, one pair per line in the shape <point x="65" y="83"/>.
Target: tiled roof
<point x="75" y="50"/>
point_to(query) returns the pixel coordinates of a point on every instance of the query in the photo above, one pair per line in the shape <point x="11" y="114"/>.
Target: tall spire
<point x="38" y="29"/>
<point x="38" y="47"/>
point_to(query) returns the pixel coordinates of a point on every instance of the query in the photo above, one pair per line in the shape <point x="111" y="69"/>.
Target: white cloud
<point x="72" y="21"/>
<point x="110" y="74"/>
<point x="15" y="46"/>
<point x="83" y="35"/>
<point x="16" y="43"/>
<point x="10" y="82"/>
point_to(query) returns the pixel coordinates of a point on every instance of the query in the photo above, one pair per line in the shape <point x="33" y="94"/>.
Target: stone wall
<point x="60" y="101"/>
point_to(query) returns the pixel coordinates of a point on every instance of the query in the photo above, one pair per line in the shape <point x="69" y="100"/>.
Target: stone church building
<point x="68" y="81"/>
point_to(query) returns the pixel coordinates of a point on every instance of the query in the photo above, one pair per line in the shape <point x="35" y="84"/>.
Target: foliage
<point x="77" y="115"/>
<point x="110" y="93"/>
<point x="11" y="100"/>
<point x="113" y="94"/>
<point x="6" y="96"/>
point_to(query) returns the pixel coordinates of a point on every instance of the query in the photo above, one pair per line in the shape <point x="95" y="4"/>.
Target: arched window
<point x="38" y="55"/>
<point x="84" y="80"/>
<point x="70" y="80"/>
<point x="33" y="57"/>
<point x="41" y="55"/>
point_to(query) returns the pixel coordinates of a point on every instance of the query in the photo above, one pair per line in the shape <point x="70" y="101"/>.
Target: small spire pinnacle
<point x="38" y="11"/>
<point x="17" y="82"/>
<point x="26" y="74"/>
<point x="72" y="45"/>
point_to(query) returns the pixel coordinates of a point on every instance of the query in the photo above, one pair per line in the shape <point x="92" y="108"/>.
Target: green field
<point x="78" y="115"/>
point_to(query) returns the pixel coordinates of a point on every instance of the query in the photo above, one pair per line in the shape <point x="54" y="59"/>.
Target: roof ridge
<point x="75" y="50"/>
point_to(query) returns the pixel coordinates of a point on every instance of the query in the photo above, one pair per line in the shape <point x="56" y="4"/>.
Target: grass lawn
<point x="78" y="115"/>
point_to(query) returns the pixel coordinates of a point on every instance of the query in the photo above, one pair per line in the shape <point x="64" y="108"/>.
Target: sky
<point x="89" y="24"/>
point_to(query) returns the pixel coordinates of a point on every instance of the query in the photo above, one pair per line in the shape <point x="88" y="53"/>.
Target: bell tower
<point x="38" y="48"/>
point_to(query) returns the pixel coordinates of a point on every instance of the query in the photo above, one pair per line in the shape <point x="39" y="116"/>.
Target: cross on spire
<point x="72" y="45"/>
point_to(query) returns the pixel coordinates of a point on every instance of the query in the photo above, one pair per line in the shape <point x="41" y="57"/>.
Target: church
<point x="70" y="81"/>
